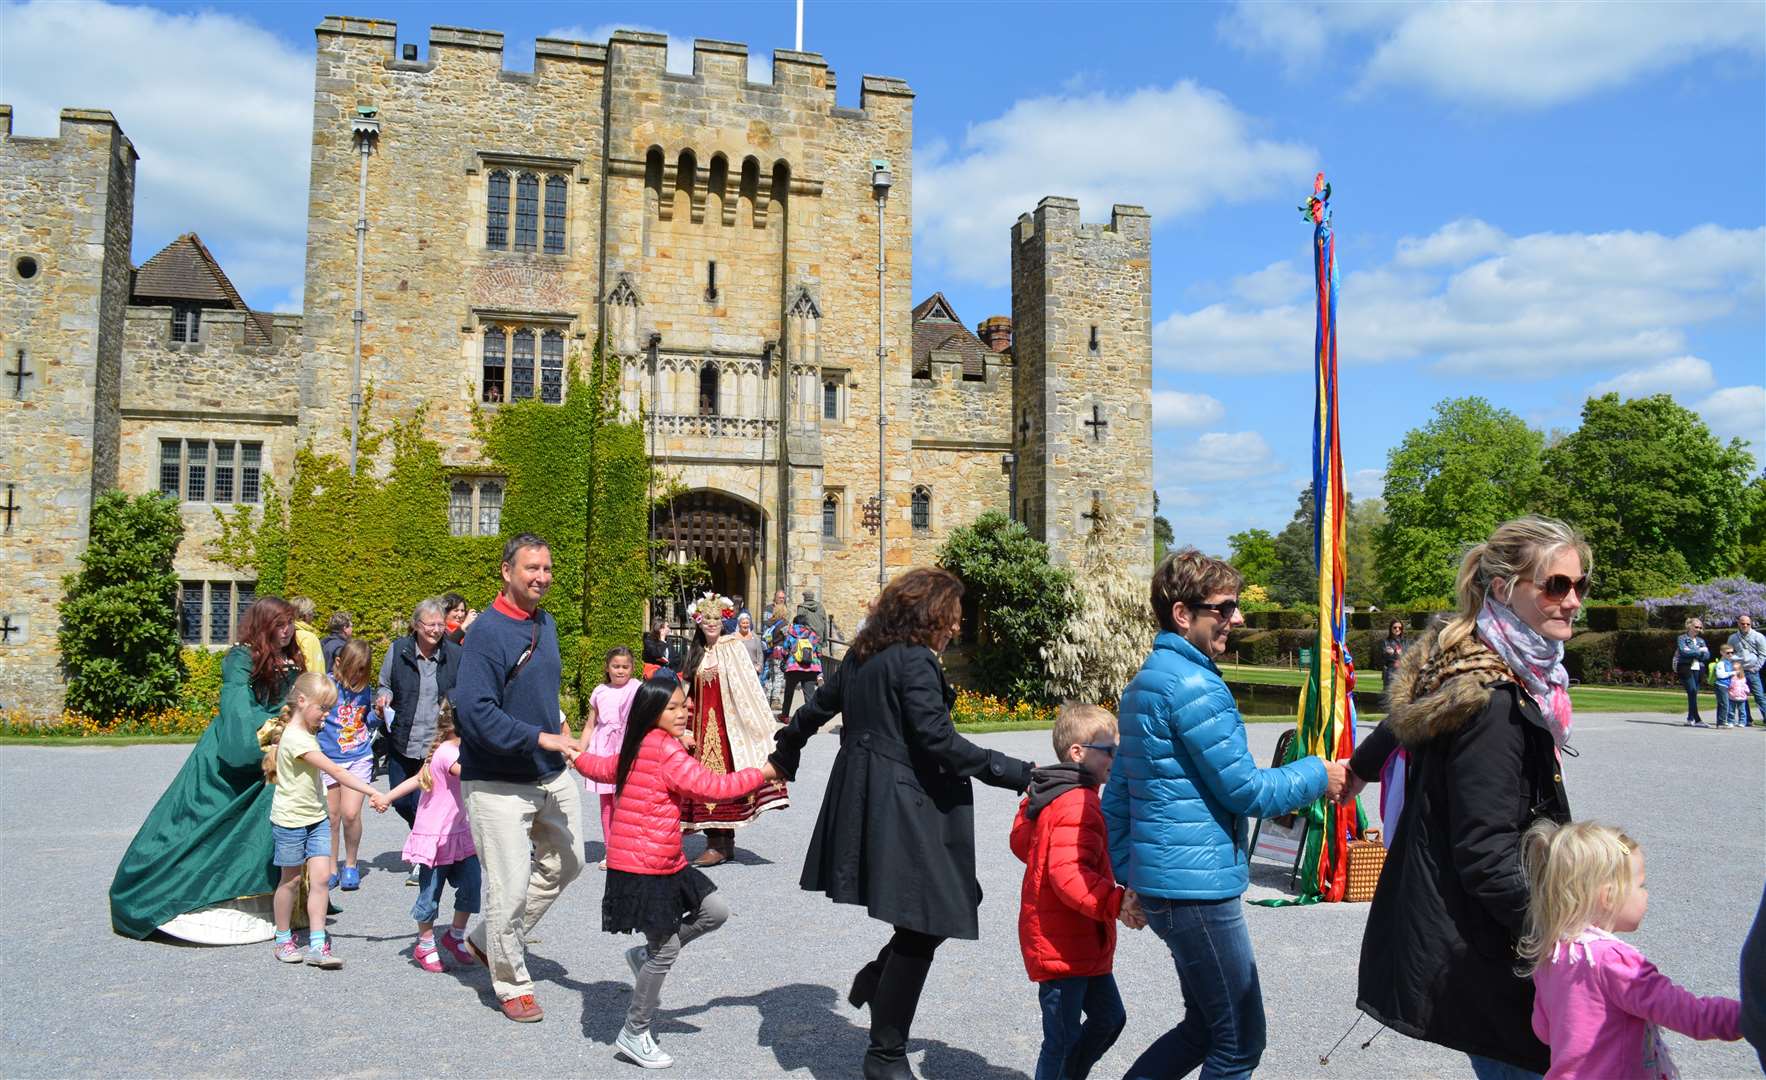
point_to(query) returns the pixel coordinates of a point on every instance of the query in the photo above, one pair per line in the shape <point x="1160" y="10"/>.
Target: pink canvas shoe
<point x="457" y="950"/>
<point x="427" y="958"/>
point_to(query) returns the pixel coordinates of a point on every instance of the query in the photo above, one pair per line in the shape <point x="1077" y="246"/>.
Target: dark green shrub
<point x="1673" y="616"/>
<point x="1023" y="601"/>
<point x="1645" y="650"/>
<point x="201" y="692"/>
<point x="1363" y="620"/>
<point x="1589" y="657"/>
<point x="1605" y="617"/>
<point x="119" y="626"/>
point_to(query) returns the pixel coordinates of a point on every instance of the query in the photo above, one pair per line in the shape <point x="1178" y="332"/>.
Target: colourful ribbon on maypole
<point x="1327" y="700"/>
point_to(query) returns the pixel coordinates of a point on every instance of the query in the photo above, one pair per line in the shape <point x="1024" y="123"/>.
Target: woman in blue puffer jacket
<point x="1179" y="793"/>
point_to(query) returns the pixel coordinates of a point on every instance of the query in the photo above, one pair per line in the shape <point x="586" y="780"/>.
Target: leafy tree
<point x="1111" y="629"/>
<point x="1295" y="578"/>
<point x="1448" y="484"/>
<point x="1660" y="498"/>
<point x="119" y="623"/>
<point x="1163" y="537"/>
<point x="1253" y="552"/>
<point x="1361" y="583"/>
<point x="1751" y="562"/>
<point x="1023" y="602"/>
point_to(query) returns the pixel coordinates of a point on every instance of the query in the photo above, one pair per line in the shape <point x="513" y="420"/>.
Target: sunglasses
<point x="1101" y="747"/>
<point x="1558" y="586"/>
<point x="1225" y="609"/>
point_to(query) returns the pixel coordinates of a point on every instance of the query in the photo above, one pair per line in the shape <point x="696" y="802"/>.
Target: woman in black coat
<point x="1481" y="706"/>
<point x="896" y="831"/>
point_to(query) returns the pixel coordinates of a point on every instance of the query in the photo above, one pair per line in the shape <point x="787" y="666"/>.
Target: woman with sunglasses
<point x="1180" y="790"/>
<point x="1482" y="706"/>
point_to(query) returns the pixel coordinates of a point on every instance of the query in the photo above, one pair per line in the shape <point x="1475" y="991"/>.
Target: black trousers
<point x="794" y="679"/>
<point x="901" y="968"/>
<point x="400" y="768"/>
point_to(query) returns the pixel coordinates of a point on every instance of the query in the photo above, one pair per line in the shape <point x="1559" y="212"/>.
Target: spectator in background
<point x="305" y="637"/>
<point x="1391" y="648"/>
<point x="418" y="673"/>
<point x="1750" y="652"/>
<point x="658" y="649"/>
<point x="1691" y="654"/>
<point x="338" y="631"/>
<point x="459" y="616"/>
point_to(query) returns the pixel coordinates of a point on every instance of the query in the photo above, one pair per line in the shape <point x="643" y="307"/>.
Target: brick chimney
<point x="995" y="333"/>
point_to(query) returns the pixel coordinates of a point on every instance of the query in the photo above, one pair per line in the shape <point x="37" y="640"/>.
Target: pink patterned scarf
<point x="1536" y="661"/>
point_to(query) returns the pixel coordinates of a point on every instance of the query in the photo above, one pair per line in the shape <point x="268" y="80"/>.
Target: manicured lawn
<point x="93" y="740"/>
<point x="1592" y="698"/>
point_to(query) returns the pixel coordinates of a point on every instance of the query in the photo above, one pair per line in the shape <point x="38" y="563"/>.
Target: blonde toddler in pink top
<point x="1597" y="1002"/>
<point x="609" y="706"/>
<point x="441" y="847"/>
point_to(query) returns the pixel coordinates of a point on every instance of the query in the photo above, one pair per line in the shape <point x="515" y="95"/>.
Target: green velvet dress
<point x="207" y="840"/>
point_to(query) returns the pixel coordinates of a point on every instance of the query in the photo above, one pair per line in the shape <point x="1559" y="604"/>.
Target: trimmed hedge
<point x="1606" y="617"/>
<point x="1673" y="616"/>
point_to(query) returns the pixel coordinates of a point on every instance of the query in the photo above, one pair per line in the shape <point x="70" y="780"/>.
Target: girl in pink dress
<point x="440" y="846"/>
<point x="609" y="706"/>
<point x="1597" y="1002"/>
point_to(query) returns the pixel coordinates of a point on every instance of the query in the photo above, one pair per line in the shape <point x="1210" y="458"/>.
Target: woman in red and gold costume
<point x="732" y="728"/>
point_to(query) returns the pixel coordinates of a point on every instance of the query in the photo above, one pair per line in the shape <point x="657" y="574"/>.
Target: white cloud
<point x="1471" y="299"/>
<point x="219" y="109"/>
<point x="1223" y="456"/>
<point x="1679" y="375"/>
<point x="1176" y="409"/>
<point x="680" y="50"/>
<point x="1191" y="150"/>
<point x="1367" y="483"/>
<point x="1517" y="55"/>
<point x="1278" y="283"/>
<point x="1737" y="412"/>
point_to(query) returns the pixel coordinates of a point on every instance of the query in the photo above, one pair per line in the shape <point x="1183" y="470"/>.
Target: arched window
<point x="527" y="211"/>
<point x="552" y="367"/>
<point x="521" y="366"/>
<point x="830" y="516"/>
<point x="555" y="195"/>
<point x="460" y="508"/>
<point x="494" y="352"/>
<point x="830" y="399"/>
<point x="490" y="508"/>
<point x="708" y="389"/>
<point x="922" y="509"/>
<point x="496" y="221"/>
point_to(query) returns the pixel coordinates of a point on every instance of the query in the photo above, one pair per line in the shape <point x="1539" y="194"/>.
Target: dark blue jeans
<point x="1223" y="1027"/>
<point x="1690" y="680"/>
<point x="400" y="768"/>
<point x="1069" y="1047"/>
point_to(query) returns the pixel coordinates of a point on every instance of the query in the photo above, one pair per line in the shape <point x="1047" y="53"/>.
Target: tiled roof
<point x="938" y="329"/>
<point x="185" y="270"/>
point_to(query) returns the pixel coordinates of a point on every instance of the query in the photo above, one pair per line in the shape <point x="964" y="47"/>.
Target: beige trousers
<point x="530" y="845"/>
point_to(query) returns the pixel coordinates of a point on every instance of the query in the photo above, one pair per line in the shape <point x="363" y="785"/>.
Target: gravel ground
<point x="764" y="996"/>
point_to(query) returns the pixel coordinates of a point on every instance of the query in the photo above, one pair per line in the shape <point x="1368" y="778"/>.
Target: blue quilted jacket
<point x="1184" y="781"/>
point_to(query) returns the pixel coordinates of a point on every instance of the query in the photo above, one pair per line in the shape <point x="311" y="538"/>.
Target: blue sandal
<point x="351" y="878"/>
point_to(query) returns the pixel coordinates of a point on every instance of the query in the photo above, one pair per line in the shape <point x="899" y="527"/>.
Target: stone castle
<point x="721" y="237"/>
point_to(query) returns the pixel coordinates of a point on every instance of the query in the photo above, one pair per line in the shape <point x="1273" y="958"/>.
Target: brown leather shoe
<point x="711" y="857"/>
<point x="523" y="1010"/>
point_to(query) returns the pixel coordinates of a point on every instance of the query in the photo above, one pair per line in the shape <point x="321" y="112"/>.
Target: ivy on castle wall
<point x="376" y="543"/>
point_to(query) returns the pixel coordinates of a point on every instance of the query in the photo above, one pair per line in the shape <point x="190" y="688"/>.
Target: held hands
<point x="1353" y="786"/>
<point x="771" y="772"/>
<point x="1337" y="780"/>
<point x="691" y="743"/>
<point x="379" y="802"/>
<point x="1131" y="914"/>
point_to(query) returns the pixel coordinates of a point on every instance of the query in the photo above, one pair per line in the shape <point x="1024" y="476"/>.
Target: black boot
<point x="864" y="985"/>
<point x="879" y="1065"/>
<point x="895" y="999"/>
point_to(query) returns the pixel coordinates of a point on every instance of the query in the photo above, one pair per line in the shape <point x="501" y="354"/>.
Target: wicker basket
<point x="1367" y="857"/>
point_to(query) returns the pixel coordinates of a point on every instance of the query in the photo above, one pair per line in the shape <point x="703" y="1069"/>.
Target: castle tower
<point x="66" y="214"/>
<point x="1082" y="416"/>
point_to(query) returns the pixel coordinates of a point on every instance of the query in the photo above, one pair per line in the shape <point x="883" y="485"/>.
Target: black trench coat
<point x="896" y="831"/>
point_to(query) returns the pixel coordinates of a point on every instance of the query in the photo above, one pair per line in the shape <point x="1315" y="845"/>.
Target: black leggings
<point x="794" y="679"/>
<point x="902" y="965"/>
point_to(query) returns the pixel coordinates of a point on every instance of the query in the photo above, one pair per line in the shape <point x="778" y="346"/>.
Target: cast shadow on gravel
<point x="801" y="1026"/>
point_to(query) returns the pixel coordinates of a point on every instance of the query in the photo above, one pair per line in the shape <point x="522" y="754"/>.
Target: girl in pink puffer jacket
<point x="650" y="887"/>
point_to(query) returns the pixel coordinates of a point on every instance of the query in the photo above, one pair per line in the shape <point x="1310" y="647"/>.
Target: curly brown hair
<point x="257" y="632"/>
<point x="916" y="608"/>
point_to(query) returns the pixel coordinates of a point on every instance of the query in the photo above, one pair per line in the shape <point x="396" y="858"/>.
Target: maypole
<point x="1327" y="700"/>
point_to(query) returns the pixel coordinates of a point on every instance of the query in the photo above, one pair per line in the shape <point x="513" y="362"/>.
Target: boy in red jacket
<point x="1071" y="902"/>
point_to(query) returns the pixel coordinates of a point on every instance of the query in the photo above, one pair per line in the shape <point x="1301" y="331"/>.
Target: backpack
<point x="803" y="653"/>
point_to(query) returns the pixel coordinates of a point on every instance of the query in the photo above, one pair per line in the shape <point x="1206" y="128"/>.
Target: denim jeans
<point x="1690" y="680"/>
<point x="1070" y="1048"/>
<point x="1758" y="693"/>
<point x="400" y="768"/>
<point x="1491" y="1069"/>
<point x="1223" y="1028"/>
<point x="1722" y="702"/>
<point x="464" y="876"/>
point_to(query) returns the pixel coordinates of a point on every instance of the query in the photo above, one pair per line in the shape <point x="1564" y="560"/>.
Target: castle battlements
<point x="635" y="57"/>
<point x="1057" y="215"/>
<point x="71" y="121"/>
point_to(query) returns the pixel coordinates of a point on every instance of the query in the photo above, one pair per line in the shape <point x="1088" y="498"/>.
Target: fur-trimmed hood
<point x="1435" y="692"/>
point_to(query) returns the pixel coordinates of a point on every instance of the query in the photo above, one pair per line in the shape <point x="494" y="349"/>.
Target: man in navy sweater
<point x="526" y="814"/>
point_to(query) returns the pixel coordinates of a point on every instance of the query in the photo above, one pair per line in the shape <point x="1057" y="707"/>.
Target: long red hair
<point x="257" y="632"/>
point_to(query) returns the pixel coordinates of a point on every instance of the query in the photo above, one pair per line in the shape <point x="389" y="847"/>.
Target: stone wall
<point x="962" y="433"/>
<point x="66" y="204"/>
<point x="1082" y="335"/>
<point x="217" y="388"/>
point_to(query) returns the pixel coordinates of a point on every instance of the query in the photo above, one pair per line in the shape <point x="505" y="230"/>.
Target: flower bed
<point x="972" y="709"/>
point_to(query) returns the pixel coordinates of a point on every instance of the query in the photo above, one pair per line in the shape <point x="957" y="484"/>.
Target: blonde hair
<point x="1570" y="870"/>
<point x="444" y="730"/>
<point x="310" y="686"/>
<point x="352" y="665"/>
<point x="1517" y="549"/>
<point x="304" y="608"/>
<point x="1077" y="723"/>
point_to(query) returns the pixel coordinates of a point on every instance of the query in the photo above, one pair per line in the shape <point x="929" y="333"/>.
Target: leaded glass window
<point x="196" y="472"/>
<point x="830" y="517"/>
<point x="556" y="188"/>
<point x="251" y="465"/>
<point x="493" y="363"/>
<point x="460" y="509"/>
<point x="922" y="509"/>
<point x="490" y="509"/>
<point x="223" y="472"/>
<point x="171" y="463"/>
<point x="552" y="367"/>
<point x="190" y="613"/>
<point x="521" y="366"/>
<point x="220" y="613"/>
<point x="496" y="223"/>
<point x="527" y="211"/>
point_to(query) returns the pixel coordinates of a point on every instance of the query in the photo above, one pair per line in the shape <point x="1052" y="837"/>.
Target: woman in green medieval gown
<point x="199" y="868"/>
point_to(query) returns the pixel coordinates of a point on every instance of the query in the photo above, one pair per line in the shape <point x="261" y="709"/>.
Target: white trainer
<point x="641" y="1050"/>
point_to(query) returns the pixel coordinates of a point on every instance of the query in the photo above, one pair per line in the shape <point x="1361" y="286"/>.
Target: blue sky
<point x="1533" y="202"/>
